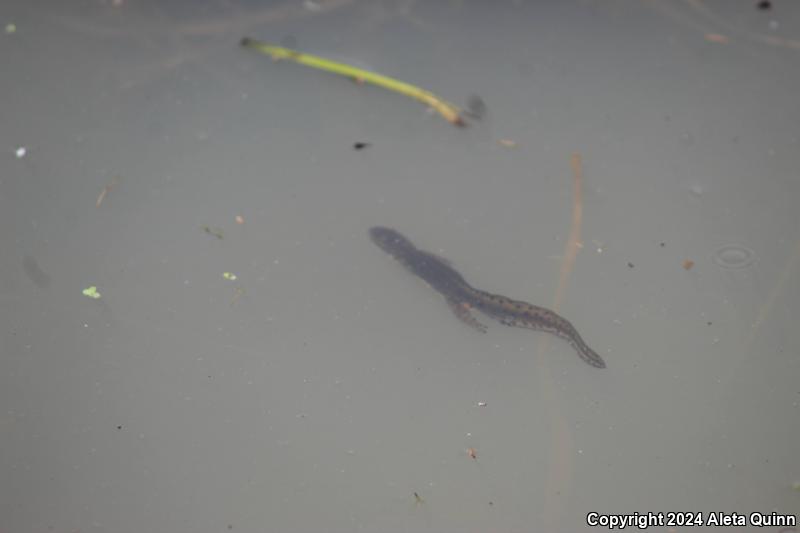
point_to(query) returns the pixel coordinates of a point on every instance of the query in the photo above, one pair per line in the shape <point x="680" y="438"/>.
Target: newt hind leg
<point x="461" y="310"/>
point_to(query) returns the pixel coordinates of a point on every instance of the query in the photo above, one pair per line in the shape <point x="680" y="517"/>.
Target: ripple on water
<point x="734" y="257"/>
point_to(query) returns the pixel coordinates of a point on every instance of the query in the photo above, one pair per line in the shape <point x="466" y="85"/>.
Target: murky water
<point x="254" y="363"/>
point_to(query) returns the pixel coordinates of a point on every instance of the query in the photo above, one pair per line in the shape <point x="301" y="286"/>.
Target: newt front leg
<point x="461" y="310"/>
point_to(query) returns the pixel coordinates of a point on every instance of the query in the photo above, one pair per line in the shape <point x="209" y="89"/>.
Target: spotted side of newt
<point x="463" y="297"/>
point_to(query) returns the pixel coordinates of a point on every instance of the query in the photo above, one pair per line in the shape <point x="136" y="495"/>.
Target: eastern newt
<point x="463" y="297"/>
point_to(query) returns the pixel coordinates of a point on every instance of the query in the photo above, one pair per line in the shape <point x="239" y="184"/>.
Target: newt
<point x="463" y="297"/>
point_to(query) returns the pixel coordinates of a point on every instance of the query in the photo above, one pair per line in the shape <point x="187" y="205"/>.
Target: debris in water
<point x="716" y="38"/>
<point x="11" y="28"/>
<point x="239" y="219"/>
<point x="91" y="292"/>
<point x="21" y="151"/>
<point x="361" y="145"/>
<point x="688" y="264"/>
<point x="472" y="453"/>
<point x="105" y="191"/>
<point x="216" y="232"/>
<point x="229" y="276"/>
<point x="448" y="111"/>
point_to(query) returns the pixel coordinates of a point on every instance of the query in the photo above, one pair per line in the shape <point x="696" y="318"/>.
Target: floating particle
<point x="105" y="191"/>
<point x="229" y="276"/>
<point x="482" y="404"/>
<point x="472" y="453"/>
<point x="508" y="143"/>
<point x="91" y="292"/>
<point x="630" y="265"/>
<point x="361" y="145"/>
<point x="764" y="5"/>
<point x="716" y="38"/>
<point x="688" y="264"/>
<point x="239" y="219"/>
<point x="216" y="232"/>
<point x="21" y="152"/>
<point x="11" y="28"/>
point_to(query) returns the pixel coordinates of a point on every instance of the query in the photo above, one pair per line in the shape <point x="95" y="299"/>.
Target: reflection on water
<point x="34" y="272"/>
<point x="734" y="257"/>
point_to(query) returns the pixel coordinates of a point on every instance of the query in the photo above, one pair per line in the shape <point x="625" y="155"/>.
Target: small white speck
<point x="481" y="404"/>
<point x="21" y="151"/>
